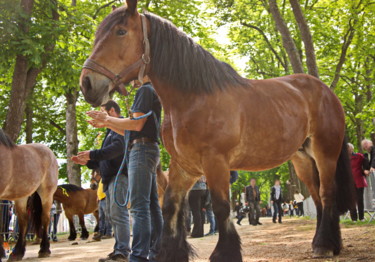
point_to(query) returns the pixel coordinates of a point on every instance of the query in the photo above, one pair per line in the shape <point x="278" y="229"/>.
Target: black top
<point x="273" y="195"/>
<point x="250" y="194"/>
<point x="372" y="157"/>
<point x="147" y="100"/>
<point x="109" y="157"/>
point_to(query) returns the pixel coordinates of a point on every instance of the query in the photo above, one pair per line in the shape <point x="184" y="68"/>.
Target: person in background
<point x="56" y="211"/>
<point x="368" y="146"/>
<point x="105" y="227"/>
<point x="196" y="199"/>
<point x="276" y="201"/>
<point x="359" y="170"/>
<point x="108" y="159"/>
<point x="210" y="213"/>
<point x="242" y="213"/>
<point x="253" y="198"/>
<point x="298" y="197"/>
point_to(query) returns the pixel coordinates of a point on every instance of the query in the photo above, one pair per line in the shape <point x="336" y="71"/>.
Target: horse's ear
<point x="132" y="6"/>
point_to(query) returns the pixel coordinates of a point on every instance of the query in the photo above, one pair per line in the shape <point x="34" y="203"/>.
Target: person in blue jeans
<point x="108" y="159"/>
<point x="143" y="158"/>
<point x="276" y="200"/>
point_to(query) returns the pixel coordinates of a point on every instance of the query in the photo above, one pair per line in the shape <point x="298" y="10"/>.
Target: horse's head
<point x="121" y="52"/>
<point x="95" y="179"/>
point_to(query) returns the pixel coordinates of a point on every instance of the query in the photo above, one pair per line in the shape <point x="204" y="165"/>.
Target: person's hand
<point x="84" y="155"/>
<point x="98" y="115"/>
<point x="366" y="172"/>
<point x="203" y="209"/>
<point x="78" y="161"/>
<point x="96" y="123"/>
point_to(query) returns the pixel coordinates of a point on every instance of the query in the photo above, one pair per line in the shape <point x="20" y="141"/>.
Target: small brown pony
<point x="29" y="175"/>
<point x="77" y="201"/>
<point x="216" y="121"/>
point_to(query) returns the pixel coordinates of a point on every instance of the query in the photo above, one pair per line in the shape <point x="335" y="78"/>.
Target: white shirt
<point x="299" y="197"/>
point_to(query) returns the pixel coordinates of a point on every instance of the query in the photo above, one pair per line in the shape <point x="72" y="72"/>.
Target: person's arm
<point x="92" y="164"/>
<point x="118" y="125"/>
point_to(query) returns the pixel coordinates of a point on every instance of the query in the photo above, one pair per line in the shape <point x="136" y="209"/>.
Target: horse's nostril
<point x="87" y="83"/>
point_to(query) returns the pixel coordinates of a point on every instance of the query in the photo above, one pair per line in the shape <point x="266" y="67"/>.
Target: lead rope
<point x="146" y="60"/>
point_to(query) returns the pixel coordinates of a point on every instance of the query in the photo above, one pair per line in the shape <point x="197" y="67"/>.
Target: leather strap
<point x="116" y="78"/>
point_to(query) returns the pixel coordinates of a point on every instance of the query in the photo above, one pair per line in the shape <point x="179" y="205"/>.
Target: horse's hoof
<point x="319" y="252"/>
<point x="44" y="254"/>
<point x="14" y="258"/>
<point x="71" y="238"/>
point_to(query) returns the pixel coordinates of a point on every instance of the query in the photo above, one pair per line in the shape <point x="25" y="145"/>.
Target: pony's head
<point x="117" y="57"/>
<point x="95" y="179"/>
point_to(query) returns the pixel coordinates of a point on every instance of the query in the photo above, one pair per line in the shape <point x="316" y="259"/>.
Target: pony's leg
<point x="228" y="247"/>
<point x="96" y="215"/>
<point x="307" y="171"/>
<point x="85" y="233"/>
<point x="46" y="197"/>
<point x="72" y="229"/>
<point x="19" y="249"/>
<point x="174" y="246"/>
<point x="327" y="241"/>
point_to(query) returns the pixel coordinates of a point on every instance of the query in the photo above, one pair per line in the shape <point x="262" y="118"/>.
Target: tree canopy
<point x="45" y="42"/>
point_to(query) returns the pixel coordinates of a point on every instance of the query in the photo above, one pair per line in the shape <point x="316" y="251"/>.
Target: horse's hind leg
<point x="327" y="241"/>
<point x="307" y="171"/>
<point x="85" y="233"/>
<point x="228" y="247"/>
<point x="46" y="200"/>
<point x="174" y="246"/>
<point x="19" y="250"/>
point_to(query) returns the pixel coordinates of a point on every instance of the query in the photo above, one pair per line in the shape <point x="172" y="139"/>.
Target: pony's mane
<point x="71" y="187"/>
<point x="178" y="60"/>
<point x="5" y="140"/>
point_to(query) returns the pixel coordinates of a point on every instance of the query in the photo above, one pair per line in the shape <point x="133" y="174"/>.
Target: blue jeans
<point x="105" y="227"/>
<point x="143" y="197"/>
<point x="211" y="220"/>
<point x="119" y="216"/>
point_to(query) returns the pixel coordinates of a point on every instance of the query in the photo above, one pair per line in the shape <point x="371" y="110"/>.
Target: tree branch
<point x="267" y="41"/>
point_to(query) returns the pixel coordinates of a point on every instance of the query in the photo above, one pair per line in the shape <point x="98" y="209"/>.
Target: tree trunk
<point x="24" y="77"/>
<point x="29" y="122"/>
<point x="74" y="170"/>
<point x="286" y="37"/>
<point x="306" y="38"/>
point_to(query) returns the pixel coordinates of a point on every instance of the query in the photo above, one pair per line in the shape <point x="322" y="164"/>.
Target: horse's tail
<point x="345" y="191"/>
<point x="36" y="209"/>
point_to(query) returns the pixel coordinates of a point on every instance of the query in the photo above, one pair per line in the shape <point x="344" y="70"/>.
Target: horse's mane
<point x="177" y="59"/>
<point x="5" y="140"/>
<point x="71" y="187"/>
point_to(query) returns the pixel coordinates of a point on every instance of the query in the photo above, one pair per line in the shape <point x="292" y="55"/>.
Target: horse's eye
<point x="121" y="32"/>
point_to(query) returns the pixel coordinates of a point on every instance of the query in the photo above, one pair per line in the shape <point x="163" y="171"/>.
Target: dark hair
<point x="177" y="59"/>
<point x="70" y="187"/>
<point x="5" y="140"/>
<point x="297" y="192"/>
<point x="112" y="104"/>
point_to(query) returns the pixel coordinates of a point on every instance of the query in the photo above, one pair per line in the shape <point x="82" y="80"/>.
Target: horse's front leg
<point x="72" y="229"/>
<point x="217" y="172"/>
<point x="85" y="233"/>
<point x="174" y="246"/>
<point x="19" y="250"/>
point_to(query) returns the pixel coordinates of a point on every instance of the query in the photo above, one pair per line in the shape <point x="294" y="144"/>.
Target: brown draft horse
<point x="77" y="201"/>
<point x="216" y="121"/>
<point x="29" y="175"/>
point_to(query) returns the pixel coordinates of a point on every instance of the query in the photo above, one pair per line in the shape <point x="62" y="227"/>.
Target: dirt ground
<point x="290" y="241"/>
